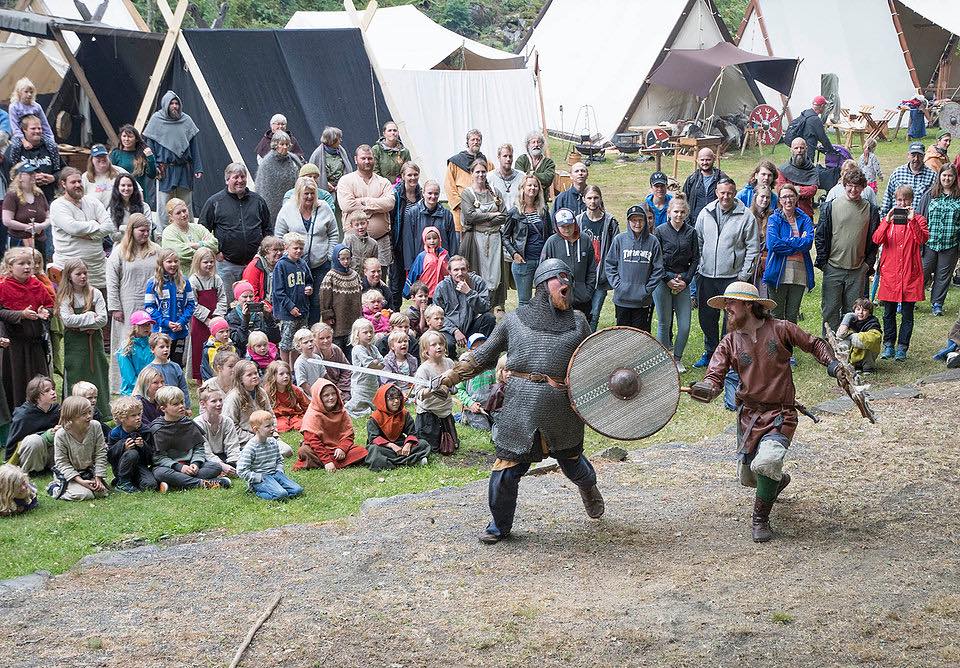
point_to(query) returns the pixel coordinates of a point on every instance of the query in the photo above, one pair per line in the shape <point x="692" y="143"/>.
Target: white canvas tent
<point x="873" y="65"/>
<point x="404" y="38"/>
<point x="610" y="72"/>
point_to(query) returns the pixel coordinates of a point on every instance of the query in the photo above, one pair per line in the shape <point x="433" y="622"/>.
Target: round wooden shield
<point x="766" y="121"/>
<point x="623" y="383"/>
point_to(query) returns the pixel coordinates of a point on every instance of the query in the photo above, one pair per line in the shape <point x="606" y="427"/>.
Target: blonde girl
<point x="79" y="454"/>
<point x="17" y="495"/>
<point x="169" y="301"/>
<point x="23" y="102"/>
<point x="289" y="401"/>
<point x="246" y="397"/>
<point x="145" y="389"/>
<point x="434" y="422"/>
<point x="363" y="386"/>
<point x="211" y="298"/>
<point x="83" y="312"/>
<point x="130" y="266"/>
<point x="224" y="363"/>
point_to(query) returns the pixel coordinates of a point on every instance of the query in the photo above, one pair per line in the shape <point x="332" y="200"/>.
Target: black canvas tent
<point x="315" y="78"/>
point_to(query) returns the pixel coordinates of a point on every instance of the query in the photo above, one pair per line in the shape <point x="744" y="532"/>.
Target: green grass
<point x="57" y="534"/>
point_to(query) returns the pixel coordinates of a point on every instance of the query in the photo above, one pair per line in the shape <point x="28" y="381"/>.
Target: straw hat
<point x="741" y="291"/>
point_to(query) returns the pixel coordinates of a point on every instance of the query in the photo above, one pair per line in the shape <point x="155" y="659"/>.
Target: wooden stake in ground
<point x="253" y="630"/>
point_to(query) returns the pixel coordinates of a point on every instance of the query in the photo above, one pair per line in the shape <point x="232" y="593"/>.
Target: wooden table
<point x="688" y="147"/>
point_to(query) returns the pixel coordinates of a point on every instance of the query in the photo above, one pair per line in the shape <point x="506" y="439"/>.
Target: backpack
<point x="795" y="129"/>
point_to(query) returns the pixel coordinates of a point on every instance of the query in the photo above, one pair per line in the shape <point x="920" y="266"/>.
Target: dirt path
<point x="865" y="571"/>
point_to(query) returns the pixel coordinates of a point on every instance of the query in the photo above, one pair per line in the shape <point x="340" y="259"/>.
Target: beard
<point x="560" y="299"/>
<point x="174" y="113"/>
<point x="734" y="321"/>
<point x="799" y="160"/>
<point x="536" y="152"/>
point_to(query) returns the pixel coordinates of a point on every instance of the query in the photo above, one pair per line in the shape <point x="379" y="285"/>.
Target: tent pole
<point x="85" y="85"/>
<point x="392" y="107"/>
<point x="904" y="46"/>
<point x="205" y="93"/>
<point x="163" y="61"/>
<point x="716" y="94"/>
<point x="543" y="114"/>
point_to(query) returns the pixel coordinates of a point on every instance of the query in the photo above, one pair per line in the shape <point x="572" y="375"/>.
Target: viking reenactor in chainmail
<point x="536" y="421"/>
<point x="758" y="347"/>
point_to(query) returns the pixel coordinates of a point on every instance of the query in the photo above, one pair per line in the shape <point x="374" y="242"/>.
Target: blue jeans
<point x="276" y="486"/>
<point x="318" y="274"/>
<point x="667" y="305"/>
<point x="596" y="305"/>
<point x="523" y="276"/>
<point x="504" y="485"/>
<point x="731" y="383"/>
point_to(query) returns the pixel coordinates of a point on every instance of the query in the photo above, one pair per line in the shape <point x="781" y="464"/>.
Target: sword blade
<point x="377" y="372"/>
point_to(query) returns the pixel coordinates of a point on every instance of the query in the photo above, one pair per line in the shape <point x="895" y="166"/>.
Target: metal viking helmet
<point x="549" y="269"/>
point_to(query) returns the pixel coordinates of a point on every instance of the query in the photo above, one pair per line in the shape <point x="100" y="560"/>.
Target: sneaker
<point x="953" y="361"/>
<point x="163" y="488"/>
<point x="224" y="482"/>
<point x="901" y="354"/>
<point x="938" y="309"/>
<point x="702" y="362"/>
<point x="487" y="537"/>
<point x="887" y="353"/>
<point x="423" y="462"/>
<point x="680" y="367"/>
<point x="941" y="355"/>
<point x="127" y="488"/>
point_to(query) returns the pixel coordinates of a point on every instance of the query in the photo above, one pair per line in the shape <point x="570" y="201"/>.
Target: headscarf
<point x="434" y="262"/>
<point x="172" y="134"/>
<point x="331" y="427"/>
<point x="335" y="263"/>
<point x="391" y="424"/>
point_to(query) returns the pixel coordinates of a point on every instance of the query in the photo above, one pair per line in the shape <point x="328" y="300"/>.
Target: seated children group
<point x="257" y="368"/>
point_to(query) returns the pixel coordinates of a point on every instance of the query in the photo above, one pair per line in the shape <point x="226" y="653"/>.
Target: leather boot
<point x="784" y="481"/>
<point x="761" y="520"/>
<point x="592" y="501"/>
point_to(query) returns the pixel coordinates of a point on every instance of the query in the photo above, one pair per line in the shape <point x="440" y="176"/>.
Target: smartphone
<point x="899" y="215"/>
<point x="255" y="307"/>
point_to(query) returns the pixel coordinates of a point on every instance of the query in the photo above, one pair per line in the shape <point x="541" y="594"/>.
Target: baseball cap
<point x="97" y="150"/>
<point x="309" y="169"/>
<point x="917" y="147"/>
<point x="474" y="338"/>
<point x="818" y="100"/>
<point x="241" y="287"/>
<point x="658" y="178"/>
<point x="636" y="210"/>
<point x="26" y="168"/>
<point x="217" y="324"/>
<point x="140" y="318"/>
<point x="565" y="217"/>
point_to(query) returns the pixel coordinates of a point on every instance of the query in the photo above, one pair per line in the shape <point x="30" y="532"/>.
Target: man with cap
<point x="758" y="347"/>
<point x="312" y="171"/>
<point x="575" y="248"/>
<point x="701" y="186"/>
<point x="172" y="136"/>
<point x="914" y="174"/>
<point x="936" y="156"/>
<point x="634" y="267"/>
<point x="812" y="129"/>
<point x="659" y="199"/>
<point x="536" y="420"/>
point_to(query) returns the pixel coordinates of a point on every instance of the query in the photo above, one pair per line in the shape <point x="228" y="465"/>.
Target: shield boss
<point x="623" y="383"/>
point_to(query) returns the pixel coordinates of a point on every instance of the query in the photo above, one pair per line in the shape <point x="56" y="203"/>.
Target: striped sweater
<point x="258" y="458"/>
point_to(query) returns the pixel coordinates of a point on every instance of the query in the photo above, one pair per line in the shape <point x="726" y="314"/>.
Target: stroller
<point x="829" y="175"/>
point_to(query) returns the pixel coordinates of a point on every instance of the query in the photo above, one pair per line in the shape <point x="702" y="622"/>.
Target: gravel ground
<point x="864" y="571"/>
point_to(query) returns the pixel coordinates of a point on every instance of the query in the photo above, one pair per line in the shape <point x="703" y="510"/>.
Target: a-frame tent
<point x="601" y="53"/>
<point x="880" y="50"/>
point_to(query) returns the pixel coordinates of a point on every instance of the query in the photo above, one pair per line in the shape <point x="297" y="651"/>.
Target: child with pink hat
<point x="135" y="354"/>
<point x="248" y="316"/>
<point x="219" y="340"/>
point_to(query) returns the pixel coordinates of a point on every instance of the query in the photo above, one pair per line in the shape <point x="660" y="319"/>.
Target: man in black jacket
<point x="812" y="129"/>
<point x="701" y="186"/>
<point x="239" y="219"/>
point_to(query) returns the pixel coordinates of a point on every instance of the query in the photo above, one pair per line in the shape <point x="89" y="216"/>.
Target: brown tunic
<point x="766" y="394"/>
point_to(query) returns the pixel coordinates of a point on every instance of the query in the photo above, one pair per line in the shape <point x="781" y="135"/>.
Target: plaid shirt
<point x="943" y="219"/>
<point x="902" y="176"/>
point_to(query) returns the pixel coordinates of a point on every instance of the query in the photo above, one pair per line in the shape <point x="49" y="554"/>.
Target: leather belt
<point x="537" y="377"/>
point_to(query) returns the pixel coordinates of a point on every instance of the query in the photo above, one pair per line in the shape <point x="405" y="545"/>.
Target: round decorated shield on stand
<point x="623" y="383"/>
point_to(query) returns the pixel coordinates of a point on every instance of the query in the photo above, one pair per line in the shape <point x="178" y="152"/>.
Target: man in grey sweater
<point x="465" y="300"/>
<point x="729" y="244"/>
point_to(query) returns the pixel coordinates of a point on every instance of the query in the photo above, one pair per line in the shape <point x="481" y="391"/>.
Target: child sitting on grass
<point x="261" y="351"/>
<point x="305" y="372"/>
<point x="219" y="432"/>
<point x="364" y="354"/>
<point x="224" y="363"/>
<point x="379" y="317"/>
<point x="90" y="392"/>
<point x="391" y="436"/>
<point x="327" y="432"/>
<point x="474" y="393"/>
<point x="328" y="350"/>
<point x="79" y="454"/>
<point x="171" y="371"/>
<point x="179" y="453"/>
<point x="145" y="391"/>
<point x="434" y="317"/>
<point x="246" y="397"/>
<point x="30" y="439"/>
<point x="289" y="401"/>
<point x="399" y="360"/>
<point x="219" y="340"/>
<point x="434" y="421"/>
<point x="417" y="312"/>
<point x="129" y="454"/>
<point x="400" y="322"/>
<point x="863" y="331"/>
<point x="17" y="494"/>
<point x="261" y="465"/>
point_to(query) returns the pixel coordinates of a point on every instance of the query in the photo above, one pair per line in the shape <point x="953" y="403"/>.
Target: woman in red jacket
<point x="902" y="234"/>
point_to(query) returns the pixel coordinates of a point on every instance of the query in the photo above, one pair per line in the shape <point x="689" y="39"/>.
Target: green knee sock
<point x="767" y="488"/>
